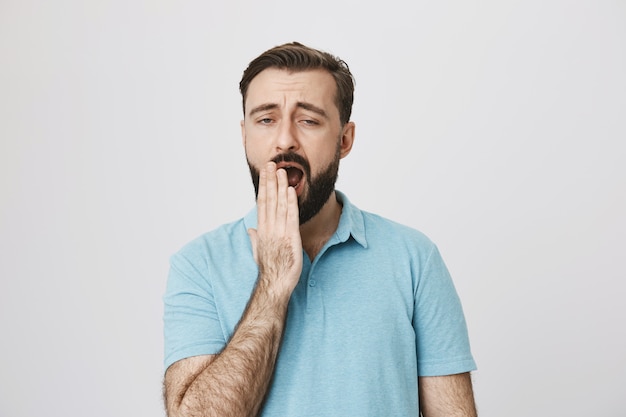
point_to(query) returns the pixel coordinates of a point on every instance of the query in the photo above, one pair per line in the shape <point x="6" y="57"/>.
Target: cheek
<point x="323" y="158"/>
<point x="253" y="154"/>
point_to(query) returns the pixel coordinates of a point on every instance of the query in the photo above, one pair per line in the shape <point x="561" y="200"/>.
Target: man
<point x="308" y="306"/>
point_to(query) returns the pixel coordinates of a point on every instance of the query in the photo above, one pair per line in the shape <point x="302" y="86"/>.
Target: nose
<point x="286" y="139"/>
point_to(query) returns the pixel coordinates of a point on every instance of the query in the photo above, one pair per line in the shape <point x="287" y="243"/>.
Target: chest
<point x="344" y="287"/>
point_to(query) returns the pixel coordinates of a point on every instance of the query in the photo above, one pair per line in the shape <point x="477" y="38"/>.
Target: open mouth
<point x="294" y="175"/>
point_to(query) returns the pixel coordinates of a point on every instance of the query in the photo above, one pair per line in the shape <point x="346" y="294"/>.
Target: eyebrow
<point x="313" y="108"/>
<point x="301" y="104"/>
<point x="263" y="107"/>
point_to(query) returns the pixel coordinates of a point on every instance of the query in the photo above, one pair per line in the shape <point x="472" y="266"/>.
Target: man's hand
<point x="235" y="381"/>
<point x="276" y="243"/>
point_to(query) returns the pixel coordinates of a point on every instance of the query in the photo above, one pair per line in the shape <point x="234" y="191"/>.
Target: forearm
<point x="447" y="396"/>
<point x="236" y="381"/>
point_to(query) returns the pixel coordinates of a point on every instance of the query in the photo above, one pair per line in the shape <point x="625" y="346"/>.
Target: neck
<point x="316" y="232"/>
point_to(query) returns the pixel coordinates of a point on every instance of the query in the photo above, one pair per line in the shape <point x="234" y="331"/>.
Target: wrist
<point x="273" y="289"/>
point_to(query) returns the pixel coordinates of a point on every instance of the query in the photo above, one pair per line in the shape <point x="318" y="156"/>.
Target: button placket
<point x="313" y="292"/>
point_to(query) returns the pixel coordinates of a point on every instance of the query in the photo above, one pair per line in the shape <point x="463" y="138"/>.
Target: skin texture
<point x="286" y="112"/>
<point x="447" y="396"/>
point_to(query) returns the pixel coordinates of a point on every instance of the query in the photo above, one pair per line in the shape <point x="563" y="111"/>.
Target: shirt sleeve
<point x="442" y="340"/>
<point x="191" y="323"/>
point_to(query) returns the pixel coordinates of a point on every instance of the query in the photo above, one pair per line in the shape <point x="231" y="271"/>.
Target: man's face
<point x="292" y="119"/>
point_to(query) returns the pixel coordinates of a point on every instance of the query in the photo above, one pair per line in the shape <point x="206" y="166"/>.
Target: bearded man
<point x="309" y="306"/>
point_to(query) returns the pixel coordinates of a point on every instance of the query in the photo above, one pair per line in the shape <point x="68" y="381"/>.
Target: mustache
<point x="294" y="157"/>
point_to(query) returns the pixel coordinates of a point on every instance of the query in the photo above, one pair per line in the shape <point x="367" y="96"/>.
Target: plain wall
<point x="495" y="127"/>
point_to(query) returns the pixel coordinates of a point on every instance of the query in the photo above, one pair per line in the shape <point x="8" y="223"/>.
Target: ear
<point x="243" y="134"/>
<point x="347" y="139"/>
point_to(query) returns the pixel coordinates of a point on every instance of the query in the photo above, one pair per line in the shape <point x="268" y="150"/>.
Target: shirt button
<point x="312" y="283"/>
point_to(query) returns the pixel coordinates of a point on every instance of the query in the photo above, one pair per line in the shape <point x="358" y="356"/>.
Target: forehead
<point x="285" y="87"/>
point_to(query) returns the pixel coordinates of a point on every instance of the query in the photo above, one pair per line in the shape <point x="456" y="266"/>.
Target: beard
<point x="318" y="189"/>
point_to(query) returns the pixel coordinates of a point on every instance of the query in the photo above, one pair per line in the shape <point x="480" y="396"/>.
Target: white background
<point x="495" y="127"/>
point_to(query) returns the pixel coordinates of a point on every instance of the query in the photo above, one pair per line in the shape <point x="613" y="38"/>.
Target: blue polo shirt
<point x="373" y="311"/>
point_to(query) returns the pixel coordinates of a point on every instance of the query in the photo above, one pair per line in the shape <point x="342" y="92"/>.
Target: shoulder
<point x="227" y="238"/>
<point x="372" y="229"/>
<point x="218" y="260"/>
<point x="378" y="227"/>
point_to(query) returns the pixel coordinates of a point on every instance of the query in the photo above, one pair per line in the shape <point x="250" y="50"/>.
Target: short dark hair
<point x="295" y="56"/>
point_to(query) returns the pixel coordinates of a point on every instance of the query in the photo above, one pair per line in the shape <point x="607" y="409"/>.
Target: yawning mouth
<point x="294" y="175"/>
<point x="297" y="169"/>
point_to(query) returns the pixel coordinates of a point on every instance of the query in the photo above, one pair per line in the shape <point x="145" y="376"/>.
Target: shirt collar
<point x="351" y="222"/>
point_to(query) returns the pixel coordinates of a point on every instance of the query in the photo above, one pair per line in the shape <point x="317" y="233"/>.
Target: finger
<point x="281" y="200"/>
<point x="261" y="198"/>
<point x="293" y="213"/>
<point x="270" y="196"/>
